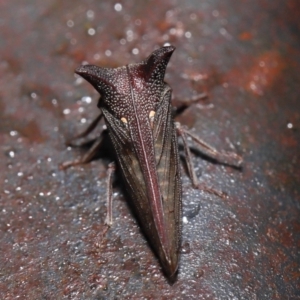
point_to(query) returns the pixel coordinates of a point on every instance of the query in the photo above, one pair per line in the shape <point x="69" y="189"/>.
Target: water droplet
<point x="96" y="56"/>
<point x="129" y="32"/>
<point x="108" y="53"/>
<point x="90" y="14"/>
<point x="223" y="31"/>
<point x="13" y="133"/>
<point x="33" y="95"/>
<point x="193" y="16"/>
<point x="172" y="31"/>
<point x="138" y="22"/>
<point x="188" y="34"/>
<point x="70" y="23"/>
<point x="66" y="111"/>
<point x="11" y="154"/>
<point x="73" y="41"/>
<point x="135" y="51"/>
<point x="78" y="81"/>
<point x="91" y="31"/>
<point x="118" y="7"/>
<point x="54" y="101"/>
<point x="86" y="99"/>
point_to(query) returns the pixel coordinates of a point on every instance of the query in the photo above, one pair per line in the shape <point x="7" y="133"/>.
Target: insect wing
<point x="167" y="171"/>
<point x="167" y="159"/>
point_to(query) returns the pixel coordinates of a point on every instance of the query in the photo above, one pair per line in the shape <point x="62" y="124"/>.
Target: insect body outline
<point x="135" y="103"/>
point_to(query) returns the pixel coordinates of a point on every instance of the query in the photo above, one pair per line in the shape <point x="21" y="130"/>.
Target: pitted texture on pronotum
<point x="135" y="102"/>
<point x="116" y="86"/>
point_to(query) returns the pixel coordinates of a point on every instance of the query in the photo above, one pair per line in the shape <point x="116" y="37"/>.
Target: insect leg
<point x="229" y="158"/>
<point x="188" y="156"/>
<point x="86" y="132"/>
<point x="85" y="158"/>
<point x="207" y="150"/>
<point x="183" y="104"/>
<point x="110" y="172"/>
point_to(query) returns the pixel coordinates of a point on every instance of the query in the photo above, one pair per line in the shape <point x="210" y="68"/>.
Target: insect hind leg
<point x="229" y="158"/>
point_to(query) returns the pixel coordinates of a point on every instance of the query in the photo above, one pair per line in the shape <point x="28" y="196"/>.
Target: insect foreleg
<point x="87" y="157"/>
<point x="86" y="132"/>
<point x="180" y="106"/>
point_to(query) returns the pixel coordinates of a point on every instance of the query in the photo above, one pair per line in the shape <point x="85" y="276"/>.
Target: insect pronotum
<point x="136" y="105"/>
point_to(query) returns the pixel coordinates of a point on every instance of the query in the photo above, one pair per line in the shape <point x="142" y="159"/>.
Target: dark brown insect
<point x="135" y="103"/>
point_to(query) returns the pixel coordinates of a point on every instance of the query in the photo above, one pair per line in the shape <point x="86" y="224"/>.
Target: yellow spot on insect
<point x="151" y="114"/>
<point x="124" y="120"/>
<point x="151" y="117"/>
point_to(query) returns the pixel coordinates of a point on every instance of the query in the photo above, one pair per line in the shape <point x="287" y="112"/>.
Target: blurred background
<point x="245" y="55"/>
